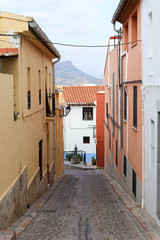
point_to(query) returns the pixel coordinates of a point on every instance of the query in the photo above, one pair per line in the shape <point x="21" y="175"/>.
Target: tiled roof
<point x="8" y="51"/>
<point x="81" y="95"/>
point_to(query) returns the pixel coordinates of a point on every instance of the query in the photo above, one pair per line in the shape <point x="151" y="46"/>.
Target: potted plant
<point x="94" y="161"/>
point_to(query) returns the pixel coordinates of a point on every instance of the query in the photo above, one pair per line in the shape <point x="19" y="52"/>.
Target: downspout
<point x="54" y="121"/>
<point x="120" y="31"/>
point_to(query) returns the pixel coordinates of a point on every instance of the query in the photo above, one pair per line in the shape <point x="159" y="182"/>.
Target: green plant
<point x="79" y="156"/>
<point x="69" y="156"/>
<point x="94" y="161"/>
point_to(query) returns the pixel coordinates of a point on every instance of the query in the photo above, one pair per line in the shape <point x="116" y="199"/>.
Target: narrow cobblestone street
<point x="84" y="206"/>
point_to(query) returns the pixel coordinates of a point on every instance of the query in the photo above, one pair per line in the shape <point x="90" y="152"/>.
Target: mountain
<point x="67" y="74"/>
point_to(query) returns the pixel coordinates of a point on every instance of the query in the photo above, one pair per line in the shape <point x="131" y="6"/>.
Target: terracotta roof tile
<point x="8" y="51"/>
<point x="81" y="95"/>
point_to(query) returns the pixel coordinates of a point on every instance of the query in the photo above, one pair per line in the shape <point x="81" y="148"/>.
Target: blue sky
<point x="74" y="22"/>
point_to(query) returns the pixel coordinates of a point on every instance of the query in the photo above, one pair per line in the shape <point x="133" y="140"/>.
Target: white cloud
<point x="73" y="21"/>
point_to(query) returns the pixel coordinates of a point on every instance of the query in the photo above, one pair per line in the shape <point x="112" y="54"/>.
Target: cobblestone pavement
<point x="83" y="206"/>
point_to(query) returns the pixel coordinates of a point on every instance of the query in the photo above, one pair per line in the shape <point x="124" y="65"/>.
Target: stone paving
<point x="85" y="205"/>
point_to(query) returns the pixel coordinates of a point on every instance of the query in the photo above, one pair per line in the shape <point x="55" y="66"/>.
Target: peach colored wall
<point x="100" y="128"/>
<point x="134" y="73"/>
<point x="113" y="68"/>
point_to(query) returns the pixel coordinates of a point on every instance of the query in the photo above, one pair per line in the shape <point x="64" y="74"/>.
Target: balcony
<point x="50" y="107"/>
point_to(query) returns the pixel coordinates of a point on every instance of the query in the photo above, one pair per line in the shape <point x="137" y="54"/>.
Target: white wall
<point x="151" y="93"/>
<point x="75" y="128"/>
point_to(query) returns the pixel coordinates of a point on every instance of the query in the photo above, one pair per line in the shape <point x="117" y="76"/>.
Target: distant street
<point x="84" y="207"/>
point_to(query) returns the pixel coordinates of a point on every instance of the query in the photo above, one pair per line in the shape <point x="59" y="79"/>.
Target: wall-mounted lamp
<point x="66" y="111"/>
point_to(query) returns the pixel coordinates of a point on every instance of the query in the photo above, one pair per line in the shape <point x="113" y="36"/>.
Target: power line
<point x="72" y="45"/>
<point x="7" y="42"/>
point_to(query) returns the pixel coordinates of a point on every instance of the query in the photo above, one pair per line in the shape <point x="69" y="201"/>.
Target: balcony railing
<point x="50" y="105"/>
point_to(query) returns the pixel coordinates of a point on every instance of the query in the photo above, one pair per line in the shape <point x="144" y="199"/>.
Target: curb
<point x="22" y="223"/>
<point x="7" y="235"/>
<point x="80" y="166"/>
<point x="148" y="223"/>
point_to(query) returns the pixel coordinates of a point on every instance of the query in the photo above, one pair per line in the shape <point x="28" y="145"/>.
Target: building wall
<point x="20" y="181"/>
<point x="100" y="111"/>
<point x="110" y="141"/>
<point x="151" y="93"/>
<point x="75" y="128"/>
<point x="125" y="163"/>
<point x="59" y="137"/>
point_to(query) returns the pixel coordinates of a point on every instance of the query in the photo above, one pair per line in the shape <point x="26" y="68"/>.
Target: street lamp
<point x="66" y="111"/>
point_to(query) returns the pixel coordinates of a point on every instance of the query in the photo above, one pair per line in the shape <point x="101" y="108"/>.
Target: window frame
<point x="40" y="159"/>
<point x="134" y="182"/>
<point x="125" y="105"/>
<point x="134" y="27"/>
<point x="87" y="110"/>
<point x="152" y="146"/>
<point x="86" y="137"/>
<point x="125" y="166"/>
<point x="135" y="107"/>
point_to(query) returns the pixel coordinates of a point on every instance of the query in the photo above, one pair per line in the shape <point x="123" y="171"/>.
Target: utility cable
<point x="71" y="45"/>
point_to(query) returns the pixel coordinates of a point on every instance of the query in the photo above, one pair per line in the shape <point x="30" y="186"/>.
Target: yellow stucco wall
<point x="59" y="137"/>
<point x="19" y="141"/>
<point x="6" y="122"/>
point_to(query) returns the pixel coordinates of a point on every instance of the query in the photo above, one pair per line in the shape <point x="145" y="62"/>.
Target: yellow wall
<point x="19" y="141"/>
<point x="6" y="123"/>
<point x="59" y="137"/>
<point x="23" y="136"/>
<point x="10" y="23"/>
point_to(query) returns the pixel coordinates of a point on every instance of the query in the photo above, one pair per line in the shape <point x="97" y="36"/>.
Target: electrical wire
<point x="7" y="42"/>
<point x="71" y="45"/>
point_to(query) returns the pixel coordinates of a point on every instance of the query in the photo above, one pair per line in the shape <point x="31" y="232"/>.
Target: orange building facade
<point x="100" y="128"/>
<point x="123" y="117"/>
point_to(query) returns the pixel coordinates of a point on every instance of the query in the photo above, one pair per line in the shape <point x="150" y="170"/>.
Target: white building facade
<point x="151" y="106"/>
<point x="80" y="132"/>
<point x="80" y="123"/>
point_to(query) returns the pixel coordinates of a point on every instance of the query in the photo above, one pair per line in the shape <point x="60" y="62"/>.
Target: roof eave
<point x="122" y="11"/>
<point x="118" y="11"/>
<point x="43" y="37"/>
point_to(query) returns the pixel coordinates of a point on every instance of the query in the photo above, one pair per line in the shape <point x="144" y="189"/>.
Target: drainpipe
<point x="120" y="31"/>
<point x="54" y="121"/>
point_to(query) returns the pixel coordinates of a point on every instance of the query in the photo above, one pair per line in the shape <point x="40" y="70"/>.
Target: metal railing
<point x="50" y="105"/>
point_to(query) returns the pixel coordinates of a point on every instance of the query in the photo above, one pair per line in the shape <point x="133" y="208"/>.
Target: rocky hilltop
<point x="67" y="74"/>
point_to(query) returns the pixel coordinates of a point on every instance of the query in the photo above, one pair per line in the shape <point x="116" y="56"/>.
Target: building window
<point x="134" y="182"/>
<point x="86" y="139"/>
<point x="50" y="84"/>
<point x="46" y="79"/>
<point x="116" y="98"/>
<point x="109" y="96"/>
<point x="150" y="35"/>
<point x="152" y="145"/>
<point x="109" y="139"/>
<point x="113" y="100"/>
<point x="87" y="113"/>
<point x="135" y="107"/>
<point x="94" y="132"/>
<point x="125" y="104"/>
<point x="40" y="158"/>
<point x="116" y="153"/>
<point x="29" y="87"/>
<point x="40" y="92"/>
<point x="134" y="27"/>
<point x="124" y="166"/>
<point x="106" y="110"/>
<point x="125" y="34"/>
